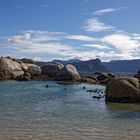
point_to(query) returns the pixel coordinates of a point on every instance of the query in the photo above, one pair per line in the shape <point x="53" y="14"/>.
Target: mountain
<point x="123" y="66"/>
<point x="83" y="67"/>
<point x="67" y="61"/>
<point x="92" y="66"/>
<point x="40" y="63"/>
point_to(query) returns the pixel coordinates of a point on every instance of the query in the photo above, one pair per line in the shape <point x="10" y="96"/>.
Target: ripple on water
<point x="30" y="111"/>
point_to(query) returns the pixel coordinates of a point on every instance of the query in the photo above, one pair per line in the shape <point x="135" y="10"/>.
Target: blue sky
<point x="67" y="29"/>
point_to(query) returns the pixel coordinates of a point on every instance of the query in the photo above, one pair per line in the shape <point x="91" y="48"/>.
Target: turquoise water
<point x="30" y="111"/>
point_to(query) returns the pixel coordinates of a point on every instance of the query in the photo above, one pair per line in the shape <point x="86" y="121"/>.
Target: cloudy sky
<point x="67" y="29"/>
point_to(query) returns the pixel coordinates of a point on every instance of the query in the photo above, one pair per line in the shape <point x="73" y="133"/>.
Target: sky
<point x="44" y="30"/>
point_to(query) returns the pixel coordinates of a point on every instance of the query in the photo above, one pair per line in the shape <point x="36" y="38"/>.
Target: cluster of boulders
<point x="25" y="70"/>
<point x="22" y="70"/>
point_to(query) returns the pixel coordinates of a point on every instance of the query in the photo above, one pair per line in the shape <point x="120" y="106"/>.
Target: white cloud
<point x="107" y="10"/>
<point x="126" y="46"/>
<point x="42" y="44"/>
<point x="103" y="11"/>
<point x="98" y="46"/>
<point x="80" y="37"/>
<point x="37" y="48"/>
<point x="136" y="36"/>
<point x="94" y="25"/>
<point x="30" y="37"/>
<point x="121" y="41"/>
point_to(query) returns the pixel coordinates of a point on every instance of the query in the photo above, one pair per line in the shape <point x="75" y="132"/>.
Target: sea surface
<point x="30" y="111"/>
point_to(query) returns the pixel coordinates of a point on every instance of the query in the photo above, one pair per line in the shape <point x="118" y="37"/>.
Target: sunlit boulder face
<point x="34" y="70"/>
<point x="68" y="72"/>
<point x="25" y="66"/>
<point x="123" y="90"/>
<point x="9" y="69"/>
<point x="50" y="69"/>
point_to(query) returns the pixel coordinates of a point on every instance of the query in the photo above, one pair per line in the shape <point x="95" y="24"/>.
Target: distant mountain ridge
<point x="125" y="66"/>
<point x="83" y="67"/>
<point x="94" y="65"/>
<point x="90" y="66"/>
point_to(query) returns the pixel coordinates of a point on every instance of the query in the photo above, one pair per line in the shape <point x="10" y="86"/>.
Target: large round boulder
<point x="9" y="69"/>
<point x="50" y="69"/>
<point x="34" y="70"/>
<point x="25" y="66"/>
<point x="68" y="72"/>
<point x="102" y="77"/>
<point x="123" y="90"/>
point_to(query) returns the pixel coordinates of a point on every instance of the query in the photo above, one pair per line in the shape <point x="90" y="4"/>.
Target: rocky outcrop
<point x="123" y="90"/>
<point x="104" y="78"/>
<point x="34" y="70"/>
<point x="50" y="69"/>
<point x="101" y="77"/>
<point x="68" y="72"/>
<point x="9" y="69"/>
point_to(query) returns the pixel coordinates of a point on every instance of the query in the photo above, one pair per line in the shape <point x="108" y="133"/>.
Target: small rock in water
<point x="89" y="90"/>
<point x="65" y="89"/>
<point x="47" y="86"/>
<point x="96" y="97"/>
<point x="84" y="87"/>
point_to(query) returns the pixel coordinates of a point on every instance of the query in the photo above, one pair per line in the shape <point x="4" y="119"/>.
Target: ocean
<point x="30" y="111"/>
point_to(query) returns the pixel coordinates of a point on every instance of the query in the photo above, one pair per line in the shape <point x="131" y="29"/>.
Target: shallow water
<point x="30" y="111"/>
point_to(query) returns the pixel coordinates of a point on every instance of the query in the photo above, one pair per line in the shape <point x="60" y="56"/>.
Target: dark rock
<point x="105" y="82"/>
<point x="96" y="97"/>
<point x="29" y="61"/>
<point x="102" y="77"/>
<point x="25" y="77"/>
<point x="137" y="76"/>
<point x="111" y="75"/>
<point x="51" y="69"/>
<point x="84" y="87"/>
<point x="123" y="90"/>
<point x="22" y="78"/>
<point x="34" y="70"/>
